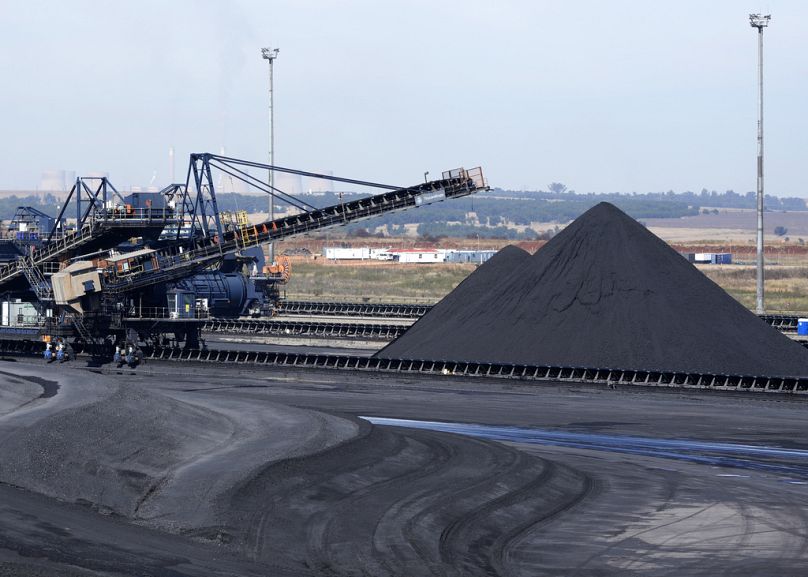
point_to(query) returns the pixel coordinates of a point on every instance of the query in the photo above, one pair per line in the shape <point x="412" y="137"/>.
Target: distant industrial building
<point x="709" y="257"/>
<point x="409" y="255"/>
<point x="289" y="183"/>
<point x="420" y="256"/>
<point x="475" y="256"/>
<point x="57" y="180"/>
<point x="320" y="185"/>
<point x="353" y="253"/>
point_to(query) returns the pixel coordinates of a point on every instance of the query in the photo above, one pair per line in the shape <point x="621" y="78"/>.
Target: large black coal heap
<point x="604" y="293"/>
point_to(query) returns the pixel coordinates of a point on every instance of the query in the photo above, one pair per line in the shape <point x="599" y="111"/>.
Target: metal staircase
<point x="82" y="329"/>
<point x="42" y="288"/>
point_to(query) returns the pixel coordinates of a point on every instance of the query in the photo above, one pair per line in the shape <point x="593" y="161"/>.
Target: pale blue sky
<point x="625" y="95"/>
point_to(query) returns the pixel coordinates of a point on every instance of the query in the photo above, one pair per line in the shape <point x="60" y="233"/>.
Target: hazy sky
<point x="624" y="95"/>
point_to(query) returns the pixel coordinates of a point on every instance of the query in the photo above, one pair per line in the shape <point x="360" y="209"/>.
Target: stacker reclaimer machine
<point x="150" y="268"/>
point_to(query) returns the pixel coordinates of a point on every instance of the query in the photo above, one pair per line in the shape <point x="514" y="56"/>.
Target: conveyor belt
<point x="783" y="322"/>
<point x="258" y="327"/>
<point x="525" y="373"/>
<point x="334" y="329"/>
<point x="173" y="265"/>
<point x="608" y="377"/>
<point x="376" y="331"/>
<point x="385" y="310"/>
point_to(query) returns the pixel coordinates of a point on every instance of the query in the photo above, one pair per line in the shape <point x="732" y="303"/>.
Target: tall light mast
<point x="760" y="22"/>
<point x="270" y="54"/>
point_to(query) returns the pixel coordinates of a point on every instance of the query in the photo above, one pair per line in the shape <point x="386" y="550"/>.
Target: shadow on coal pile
<point x="405" y="502"/>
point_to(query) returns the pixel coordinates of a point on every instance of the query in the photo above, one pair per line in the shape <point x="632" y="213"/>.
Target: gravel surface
<point x="604" y="293"/>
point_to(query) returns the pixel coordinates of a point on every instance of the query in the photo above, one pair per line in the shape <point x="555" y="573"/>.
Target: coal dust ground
<point x="188" y="470"/>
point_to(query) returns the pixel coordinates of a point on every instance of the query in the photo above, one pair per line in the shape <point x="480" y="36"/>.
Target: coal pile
<point x="604" y="293"/>
<point x="435" y="327"/>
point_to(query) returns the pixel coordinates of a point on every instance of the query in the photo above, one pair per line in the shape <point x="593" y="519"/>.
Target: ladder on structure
<point x="81" y="328"/>
<point x="38" y="282"/>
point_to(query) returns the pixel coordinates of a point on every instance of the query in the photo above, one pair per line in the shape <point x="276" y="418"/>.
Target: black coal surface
<point x="430" y="330"/>
<point x="604" y="293"/>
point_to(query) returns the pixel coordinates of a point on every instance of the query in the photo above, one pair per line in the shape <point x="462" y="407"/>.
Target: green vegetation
<point x="442" y="229"/>
<point x="9" y="204"/>
<point x="488" y="214"/>
<point x="494" y="212"/>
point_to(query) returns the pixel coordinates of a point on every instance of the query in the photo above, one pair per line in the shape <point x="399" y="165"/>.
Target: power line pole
<point x="760" y="22"/>
<point x="270" y="54"/>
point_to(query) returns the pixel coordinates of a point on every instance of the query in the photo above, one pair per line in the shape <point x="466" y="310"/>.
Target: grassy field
<point x="786" y="286"/>
<point x="378" y="282"/>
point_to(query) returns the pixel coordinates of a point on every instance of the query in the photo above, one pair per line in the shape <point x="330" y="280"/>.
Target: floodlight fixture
<point x="759" y="21"/>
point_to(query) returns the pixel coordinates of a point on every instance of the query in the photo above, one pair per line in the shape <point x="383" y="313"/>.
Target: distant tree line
<point x="440" y="229"/>
<point x="709" y="198"/>
<point x="47" y="204"/>
<point x="484" y="212"/>
<point x="490" y="214"/>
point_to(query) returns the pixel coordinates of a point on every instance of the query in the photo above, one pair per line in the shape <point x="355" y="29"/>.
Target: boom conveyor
<point x="173" y="264"/>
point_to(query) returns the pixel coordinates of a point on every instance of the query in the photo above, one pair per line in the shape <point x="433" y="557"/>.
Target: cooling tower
<point x="52" y="180"/>
<point x="289" y="183"/>
<point x="227" y="183"/>
<point x="320" y="184"/>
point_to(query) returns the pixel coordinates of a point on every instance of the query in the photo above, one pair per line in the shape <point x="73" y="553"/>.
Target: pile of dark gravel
<point x="604" y="293"/>
<point x="112" y="452"/>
